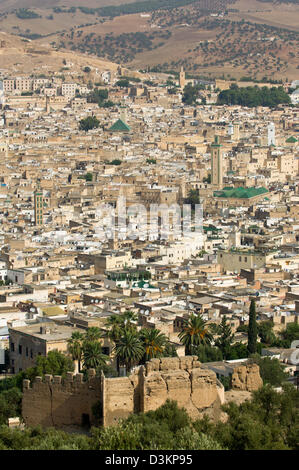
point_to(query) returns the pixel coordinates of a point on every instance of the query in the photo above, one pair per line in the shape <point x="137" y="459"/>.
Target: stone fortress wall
<point x="54" y="402"/>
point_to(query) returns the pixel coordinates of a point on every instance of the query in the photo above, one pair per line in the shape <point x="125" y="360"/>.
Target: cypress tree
<point x="252" y="329"/>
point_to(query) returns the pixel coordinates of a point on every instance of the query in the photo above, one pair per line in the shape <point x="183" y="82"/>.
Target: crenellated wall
<point x="53" y="402"/>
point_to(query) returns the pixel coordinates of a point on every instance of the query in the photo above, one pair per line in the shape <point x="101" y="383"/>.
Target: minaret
<point x="271" y="134"/>
<point x="48" y="109"/>
<point x="123" y="112"/>
<point x="236" y="131"/>
<point x="38" y="205"/>
<point x="216" y="164"/>
<point x="182" y="78"/>
<point x="230" y="129"/>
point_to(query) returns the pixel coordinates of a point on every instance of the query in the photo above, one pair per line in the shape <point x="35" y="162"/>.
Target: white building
<point x="295" y="96"/>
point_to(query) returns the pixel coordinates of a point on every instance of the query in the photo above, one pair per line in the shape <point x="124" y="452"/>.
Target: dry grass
<point x="184" y="43"/>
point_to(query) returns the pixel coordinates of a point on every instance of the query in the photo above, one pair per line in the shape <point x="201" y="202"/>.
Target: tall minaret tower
<point x="123" y="112"/>
<point x="182" y="78"/>
<point x="216" y="164"/>
<point x="38" y="205"/>
<point x="236" y="132"/>
<point x="48" y="108"/>
<point x="271" y="134"/>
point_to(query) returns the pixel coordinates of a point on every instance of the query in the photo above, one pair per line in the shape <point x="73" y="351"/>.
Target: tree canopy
<point x="253" y="96"/>
<point x="88" y="123"/>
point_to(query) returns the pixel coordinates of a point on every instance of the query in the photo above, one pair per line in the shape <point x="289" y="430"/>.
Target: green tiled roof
<point x="240" y="193"/>
<point x="120" y="126"/>
<point x="291" y="140"/>
<point x="210" y="228"/>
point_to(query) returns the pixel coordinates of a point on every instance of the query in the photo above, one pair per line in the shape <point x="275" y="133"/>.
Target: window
<point x="12" y="347"/>
<point x="20" y="349"/>
<point x="240" y="258"/>
<point x="27" y="352"/>
<point x="31" y="353"/>
<point x="105" y="351"/>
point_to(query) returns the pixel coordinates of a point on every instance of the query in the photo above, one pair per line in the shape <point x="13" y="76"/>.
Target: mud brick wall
<point x="183" y="380"/>
<point x="118" y="399"/>
<point x="247" y="378"/>
<point x="55" y="403"/>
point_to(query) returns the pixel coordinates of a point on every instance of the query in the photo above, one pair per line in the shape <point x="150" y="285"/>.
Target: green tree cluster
<point x="100" y="96"/>
<point x="253" y="96"/>
<point x="123" y="83"/>
<point x="142" y="6"/>
<point x="91" y="122"/>
<point x="191" y="94"/>
<point x="270" y="421"/>
<point x="25" y="14"/>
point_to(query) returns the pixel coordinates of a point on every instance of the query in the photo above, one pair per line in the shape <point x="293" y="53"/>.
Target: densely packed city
<point x="141" y="231"/>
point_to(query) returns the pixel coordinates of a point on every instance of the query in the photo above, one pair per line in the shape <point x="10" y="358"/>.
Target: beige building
<point x="28" y="342"/>
<point x="235" y="260"/>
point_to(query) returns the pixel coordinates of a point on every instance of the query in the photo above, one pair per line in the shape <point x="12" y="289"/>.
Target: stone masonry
<point x="247" y="378"/>
<point x="65" y="403"/>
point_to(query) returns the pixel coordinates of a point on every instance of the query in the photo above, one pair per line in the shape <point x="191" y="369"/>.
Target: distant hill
<point x="25" y="56"/>
<point x="231" y="38"/>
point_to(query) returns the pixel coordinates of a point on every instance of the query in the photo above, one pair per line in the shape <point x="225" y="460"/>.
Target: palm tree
<point x="153" y="341"/>
<point x="115" y="324"/>
<point x="129" y="319"/>
<point x="75" y="348"/>
<point x="115" y="331"/>
<point x="195" y="332"/>
<point x="93" y="334"/>
<point x="129" y="349"/>
<point x="92" y="355"/>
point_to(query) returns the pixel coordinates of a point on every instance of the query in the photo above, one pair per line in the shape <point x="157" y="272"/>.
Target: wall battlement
<point x="62" y="403"/>
<point x="70" y="379"/>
